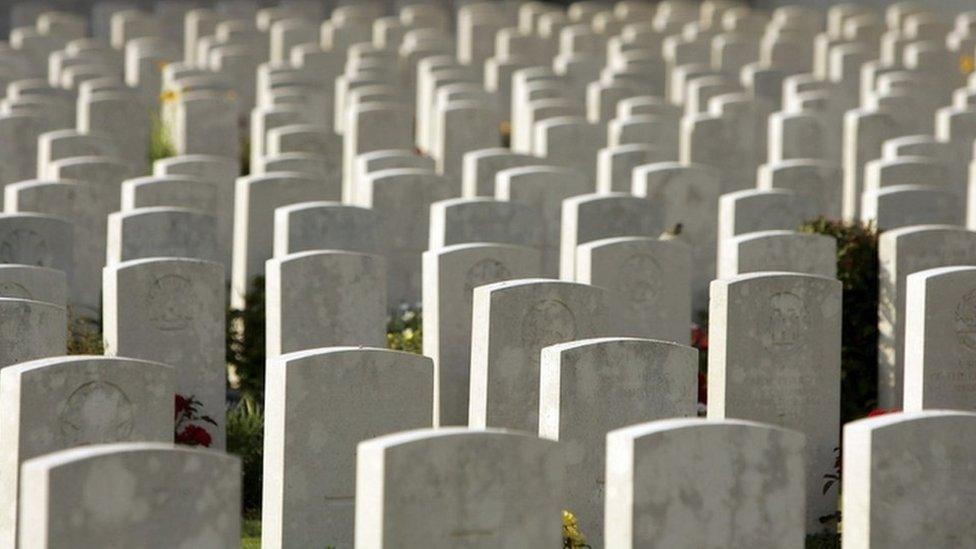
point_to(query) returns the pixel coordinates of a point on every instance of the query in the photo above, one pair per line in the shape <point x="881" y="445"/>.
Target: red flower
<point x="193" y="435"/>
<point x="699" y="337"/>
<point x="883" y="411"/>
<point x="180" y="404"/>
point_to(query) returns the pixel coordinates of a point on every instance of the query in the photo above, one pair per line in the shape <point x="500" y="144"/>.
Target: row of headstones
<point x="515" y="320"/>
<point x="942" y="200"/>
<point x="431" y="487"/>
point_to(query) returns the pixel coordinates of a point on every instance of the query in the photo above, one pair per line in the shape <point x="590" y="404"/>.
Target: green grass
<point x="251" y="534"/>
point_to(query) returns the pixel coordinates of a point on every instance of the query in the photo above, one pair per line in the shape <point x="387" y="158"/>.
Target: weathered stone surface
<point x="434" y="488"/>
<point x="129" y="493"/>
<point x="906" y="478"/>
<point x="511" y="323"/>
<point x="774" y="357"/>
<point x="592" y="386"/>
<point x="310" y="484"/>
<point x="728" y="483"/>
<point x="58" y="403"/>
<point x="325" y="299"/>
<point x="450" y="276"/>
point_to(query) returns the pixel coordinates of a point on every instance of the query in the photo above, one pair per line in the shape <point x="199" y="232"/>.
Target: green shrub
<point x="857" y="269"/>
<point x="245" y="156"/>
<point x="160" y="144"/>
<point x="823" y="541"/>
<point x="245" y="438"/>
<point x="251" y="533"/>
<point x="245" y="345"/>
<point x="84" y="335"/>
<point x="405" y="329"/>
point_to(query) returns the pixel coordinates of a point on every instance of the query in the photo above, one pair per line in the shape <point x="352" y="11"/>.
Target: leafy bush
<point x="245" y="345"/>
<point x="160" y="143"/>
<point x="823" y="541"/>
<point x="405" y="329"/>
<point x="245" y="438"/>
<point x="189" y="430"/>
<point x="84" y="335"/>
<point x="857" y="269"/>
<point x="245" y="156"/>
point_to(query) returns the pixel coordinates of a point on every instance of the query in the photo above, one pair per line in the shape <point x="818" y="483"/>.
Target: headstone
<point x="543" y="188"/>
<point x="172" y="310"/>
<point x="752" y="210"/>
<point x="590" y="217"/>
<point x="206" y="124"/>
<point x="18" y="154"/>
<point x="821" y="180"/>
<point x="161" y="232"/>
<point x="511" y="323"/>
<point x="688" y="197"/>
<point x="571" y="142"/>
<point x="52" y="146"/>
<point x="865" y="131"/>
<point x="182" y="192"/>
<point x="105" y="172"/>
<point x="480" y="167"/>
<point x="30" y="330"/>
<point x="437" y="488"/>
<point x="375" y="127"/>
<point x="87" y="207"/>
<point x="36" y="239"/>
<point x="310" y="486"/>
<point x="220" y="171"/>
<point x="450" y="275"/>
<point x="902" y="252"/>
<point x="906" y="477"/>
<point x="774" y="356"/>
<point x="91" y="482"/>
<point x="479" y="219"/>
<point x="592" y="386"/>
<point x="939" y="326"/>
<point x="787" y="251"/>
<point x="401" y="199"/>
<point x="615" y="165"/>
<point x="375" y="161"/>
<point x="121" y="116"/>
<point x="58" y="403"/>
<point x="325" y="225"/>
<point x="255" y="200"/>
<point x="461" y="127"/>
<point x="324" y="299"/>
<point x="906" y="205"/>
<point x="33" y="283"/>
<point x="680" y="481"/>
<point x="649" y="281"/>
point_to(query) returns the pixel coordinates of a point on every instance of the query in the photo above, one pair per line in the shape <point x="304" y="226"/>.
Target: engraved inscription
<point x="965" y="320"/>
<point x="96" y="412"/>
<point x="12" y="289"/>
<point x="546" y="323"/>
<point x="26" y="247"/>
<point x="787" y="320"/>
<point x="641" y="277"/>
<point x="484" y="272"/>
<point x="169" y="303"/>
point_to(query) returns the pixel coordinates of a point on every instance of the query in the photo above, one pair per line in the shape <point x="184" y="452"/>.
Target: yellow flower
<point x="572" y="537"/>
<point x="168" y="96"/>
<point x="506" y="128"/>
<point x="161" y="64"/>
<point x="966" y="64"/>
